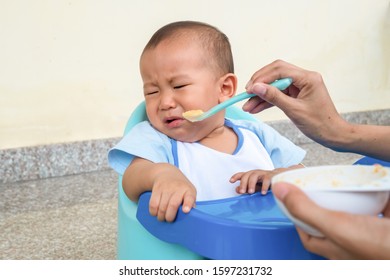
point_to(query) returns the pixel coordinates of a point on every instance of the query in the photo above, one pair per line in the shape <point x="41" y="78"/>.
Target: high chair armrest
<point x="244" y="227"/>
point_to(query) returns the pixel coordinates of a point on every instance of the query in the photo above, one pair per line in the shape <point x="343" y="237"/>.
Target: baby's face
<point x="178" y="77"/>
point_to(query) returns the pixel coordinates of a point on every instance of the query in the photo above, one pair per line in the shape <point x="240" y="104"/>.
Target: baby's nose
<point x="167" y="100"/>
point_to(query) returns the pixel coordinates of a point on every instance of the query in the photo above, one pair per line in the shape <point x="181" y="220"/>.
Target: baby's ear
<point x="228" y="86"/>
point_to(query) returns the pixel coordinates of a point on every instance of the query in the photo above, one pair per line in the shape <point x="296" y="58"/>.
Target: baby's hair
<point x="211" y="38"/>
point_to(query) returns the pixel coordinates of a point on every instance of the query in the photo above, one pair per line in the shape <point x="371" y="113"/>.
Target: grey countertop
<point x="70" y="217"/>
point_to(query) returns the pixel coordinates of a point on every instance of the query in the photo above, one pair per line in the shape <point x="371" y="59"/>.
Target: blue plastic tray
<point x="244" y="227"/>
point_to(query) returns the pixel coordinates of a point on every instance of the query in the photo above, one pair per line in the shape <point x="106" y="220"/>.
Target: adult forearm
<point x="370" y="140"/>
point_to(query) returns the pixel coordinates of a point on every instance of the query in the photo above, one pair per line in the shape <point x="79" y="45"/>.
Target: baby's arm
<point x="170" y="188"/>
<point x="250" y="180"/>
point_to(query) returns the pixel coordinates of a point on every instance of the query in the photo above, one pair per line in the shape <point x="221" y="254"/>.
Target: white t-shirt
<point x="210" y="170"/>
<point x="259" y="147"/>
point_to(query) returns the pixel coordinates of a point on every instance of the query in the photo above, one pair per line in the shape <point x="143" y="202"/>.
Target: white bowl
<point x="356" y="189"/>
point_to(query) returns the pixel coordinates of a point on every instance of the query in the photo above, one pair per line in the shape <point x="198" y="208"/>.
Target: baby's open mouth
<point x="173" y="121"/>
<point x="170" y="120"/>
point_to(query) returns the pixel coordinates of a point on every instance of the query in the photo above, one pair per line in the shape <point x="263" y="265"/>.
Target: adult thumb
<point x="300" y="205"/>
<point x="271" y="95"/>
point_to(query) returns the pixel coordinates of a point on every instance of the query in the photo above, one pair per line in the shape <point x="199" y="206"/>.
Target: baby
<point x="185" y="66"/>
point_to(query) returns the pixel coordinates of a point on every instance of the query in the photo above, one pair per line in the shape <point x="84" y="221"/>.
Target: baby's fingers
<point x="252" y="182"/>
<point x="236" y="177"/>
<point x="154" y="203"/>
<point x="174" y="203"/>
<point x="188" y="202"/>
<point x="265" y="185"/>
<point x="172" y="207"/>
<point x="163" y="208"/>
<point x="243" y="187"/>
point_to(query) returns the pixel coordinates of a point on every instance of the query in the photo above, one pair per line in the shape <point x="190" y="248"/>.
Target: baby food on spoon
<point x="192" y="114"/>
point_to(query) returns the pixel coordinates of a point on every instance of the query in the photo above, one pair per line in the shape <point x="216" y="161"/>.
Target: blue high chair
<point x="244" y="227"/>
<point x="134" y="242"/>
<point x="371" y="161"/>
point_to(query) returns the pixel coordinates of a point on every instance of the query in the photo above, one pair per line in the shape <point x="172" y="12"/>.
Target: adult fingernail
<point x="280" y="190"/>
<point x="259" y="89"/>
<point x="248" y="84"/>
<point x="246" y="106"/>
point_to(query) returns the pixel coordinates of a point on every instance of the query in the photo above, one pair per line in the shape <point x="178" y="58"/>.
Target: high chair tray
<point x="243" y="227"/>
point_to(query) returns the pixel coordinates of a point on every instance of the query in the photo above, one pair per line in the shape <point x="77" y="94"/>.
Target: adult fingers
<point x="271" y="95"/>
<point x="277" y="70"/>
<point x="255" y="105"/>
<point x="300" y="206"/>
<point x="323" y="246"/>
<point x="386" y="212"/>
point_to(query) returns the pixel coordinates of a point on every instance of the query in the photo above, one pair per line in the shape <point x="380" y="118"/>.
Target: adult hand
<point x="347" y="236"/>
<point x="306" y="102"/>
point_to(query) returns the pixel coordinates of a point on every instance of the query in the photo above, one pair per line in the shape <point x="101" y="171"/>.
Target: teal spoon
<point x="199" y="115"/>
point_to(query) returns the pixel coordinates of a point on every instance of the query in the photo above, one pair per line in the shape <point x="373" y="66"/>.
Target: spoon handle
<point x="281" y="84"/>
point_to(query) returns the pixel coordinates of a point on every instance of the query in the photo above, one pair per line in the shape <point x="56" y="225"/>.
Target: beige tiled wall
<point x="69" y="69"/>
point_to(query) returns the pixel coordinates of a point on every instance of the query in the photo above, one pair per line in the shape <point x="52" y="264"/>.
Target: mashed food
<point x="192" y="114"/>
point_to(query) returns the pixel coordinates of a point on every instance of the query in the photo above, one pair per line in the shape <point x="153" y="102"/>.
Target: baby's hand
<point x="170" y="190"/>
<point x="250" y="180"/>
